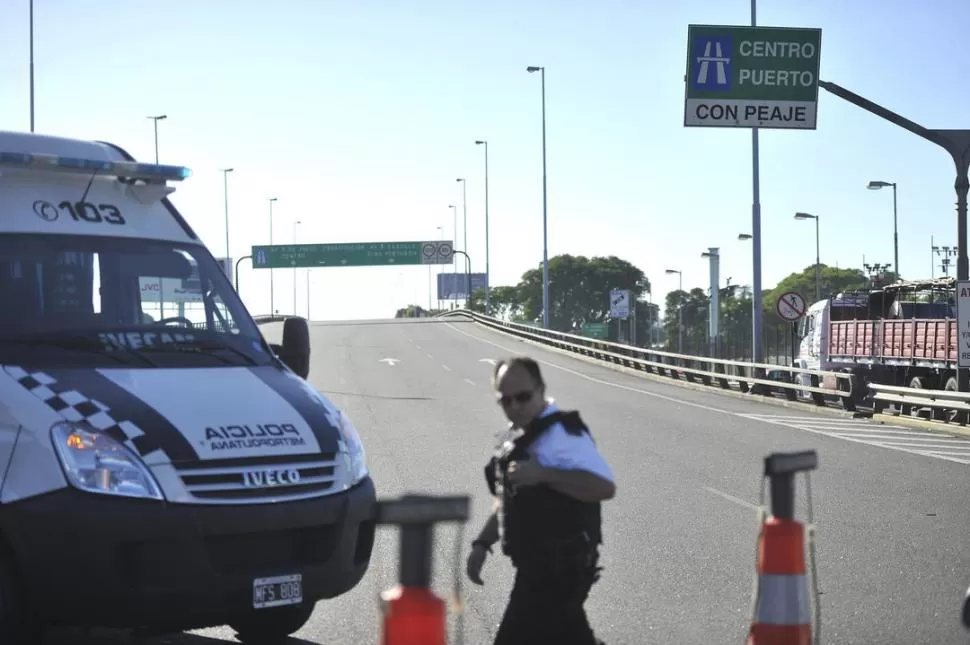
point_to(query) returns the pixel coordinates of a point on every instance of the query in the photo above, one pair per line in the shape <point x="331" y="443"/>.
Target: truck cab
<point x="162" y="466"/>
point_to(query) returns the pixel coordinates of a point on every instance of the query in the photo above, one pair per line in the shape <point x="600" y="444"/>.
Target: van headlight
<point x="356" y="457"/>
<point x="96" y="463"/>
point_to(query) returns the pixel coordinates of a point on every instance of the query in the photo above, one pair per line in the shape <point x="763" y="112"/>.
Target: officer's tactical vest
<point x="533" y="519"/>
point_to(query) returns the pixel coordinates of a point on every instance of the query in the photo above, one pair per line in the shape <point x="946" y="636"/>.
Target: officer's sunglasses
<point x="518" y="397"/>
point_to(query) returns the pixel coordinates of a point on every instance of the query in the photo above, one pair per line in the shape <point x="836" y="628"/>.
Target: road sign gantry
<point x="354" y="254"/>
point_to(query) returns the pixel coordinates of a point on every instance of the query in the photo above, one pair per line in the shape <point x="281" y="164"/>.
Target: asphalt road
<point x="890" y="503"/>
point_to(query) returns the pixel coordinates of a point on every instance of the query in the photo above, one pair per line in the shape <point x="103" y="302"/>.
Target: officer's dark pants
<point x="546" y="603"/>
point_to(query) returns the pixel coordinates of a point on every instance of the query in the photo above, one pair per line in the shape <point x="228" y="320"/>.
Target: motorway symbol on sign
<point x="790" y="306"/>
<point x="619" y="303"/>
<point x="963" y="323"/>
<point x="355" y="254"/>
<point x="745" y="77"/>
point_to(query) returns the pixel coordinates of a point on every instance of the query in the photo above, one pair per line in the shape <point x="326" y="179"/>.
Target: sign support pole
<point x="757" y="307"/>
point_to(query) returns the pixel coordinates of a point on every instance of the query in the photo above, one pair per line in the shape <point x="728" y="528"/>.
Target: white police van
<point x="162" y="467"/>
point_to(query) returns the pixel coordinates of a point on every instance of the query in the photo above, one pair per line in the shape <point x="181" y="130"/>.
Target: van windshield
<point x="72" y="300"/>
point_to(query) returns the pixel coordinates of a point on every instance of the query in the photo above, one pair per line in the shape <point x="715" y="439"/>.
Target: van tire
<point x="273" y="626"/>
<point x="15" y="623"/>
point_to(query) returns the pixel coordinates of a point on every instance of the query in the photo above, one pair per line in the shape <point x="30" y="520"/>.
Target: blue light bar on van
<point x="126" y="169"/>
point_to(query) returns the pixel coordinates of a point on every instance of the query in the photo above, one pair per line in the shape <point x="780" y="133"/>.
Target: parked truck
<point x="904" y="333"/>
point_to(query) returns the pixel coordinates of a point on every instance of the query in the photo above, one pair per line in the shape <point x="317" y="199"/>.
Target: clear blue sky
<point x="359" y="116"/>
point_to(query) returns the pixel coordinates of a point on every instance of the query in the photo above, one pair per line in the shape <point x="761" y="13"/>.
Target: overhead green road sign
<point x="747" y="77"/>
<point x="355" y="254"/>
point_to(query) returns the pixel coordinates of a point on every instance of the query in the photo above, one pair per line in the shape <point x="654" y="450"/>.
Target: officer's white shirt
<point x="556" y="448"/>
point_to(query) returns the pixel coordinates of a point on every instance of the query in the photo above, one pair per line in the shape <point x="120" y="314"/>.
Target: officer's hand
<point x="476" y="560"/>
<point x="525" y="473"/>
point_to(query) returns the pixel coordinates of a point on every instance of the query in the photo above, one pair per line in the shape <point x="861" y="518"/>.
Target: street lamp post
<point x="680" y="309"/>
<point x="295" y="224"/>
<point x="454" y="242"/>
<point x="488" y="300"/>
<point x="464" y="212"/>
<point x="31" y="10"/>
<point x="225" y="192"/>
<point x="714" y="303"/>
<point x="441" y="237"/>
<point x="818" y="265"/>
<point x="272" y="306"/>
<point x="878" y="185"/>
<point x="468" y="277"/>
<point x="545" y="204"/>
<point x="156" y="119"/>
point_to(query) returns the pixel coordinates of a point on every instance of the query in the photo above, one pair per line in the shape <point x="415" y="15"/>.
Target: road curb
<point x="768" y="400"/>
<point x="922" y="424"/>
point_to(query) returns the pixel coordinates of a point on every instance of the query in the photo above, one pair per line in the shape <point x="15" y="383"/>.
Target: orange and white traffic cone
<point x="782" y="615"/>
<point x="411" y="613"/>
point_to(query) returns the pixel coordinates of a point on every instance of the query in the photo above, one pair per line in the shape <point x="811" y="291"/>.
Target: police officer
<point x="549" y="480"/>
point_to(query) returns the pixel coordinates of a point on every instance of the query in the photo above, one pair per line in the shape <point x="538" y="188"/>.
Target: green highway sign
<point x="595" y="330"/>
<point x="747" y="77"/>
<point x="354" y="254"/>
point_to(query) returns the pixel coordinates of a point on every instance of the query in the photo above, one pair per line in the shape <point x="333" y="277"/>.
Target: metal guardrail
<point x="941" y="405"/>
<point x="726" y="374"/>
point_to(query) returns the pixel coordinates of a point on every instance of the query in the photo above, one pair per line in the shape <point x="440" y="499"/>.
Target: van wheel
<point x="15" y="623"/>
<point x="271" y="626"/>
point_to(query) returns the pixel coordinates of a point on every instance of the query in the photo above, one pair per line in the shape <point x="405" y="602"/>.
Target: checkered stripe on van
<point x="75" y="406"/>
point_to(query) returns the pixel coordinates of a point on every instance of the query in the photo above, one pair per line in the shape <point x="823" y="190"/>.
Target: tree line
<point x="735" y="324"/>
<point x="579" y="289"/>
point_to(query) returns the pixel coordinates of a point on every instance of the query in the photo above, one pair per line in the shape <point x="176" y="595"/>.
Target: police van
<point x="162" y="467"/>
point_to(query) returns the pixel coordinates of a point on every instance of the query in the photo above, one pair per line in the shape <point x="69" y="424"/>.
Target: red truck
<point x="903" y="333"/>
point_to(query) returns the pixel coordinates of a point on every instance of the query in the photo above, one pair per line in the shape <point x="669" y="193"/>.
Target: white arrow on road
<point x="490" y="361"/>
<point x="389" y="361"/>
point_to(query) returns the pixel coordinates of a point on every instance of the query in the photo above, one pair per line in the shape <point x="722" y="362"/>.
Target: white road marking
<point x="390" y="361"/>
<point x="731" y="498"/>
<point x="469" y="381"/>
<point x="446" y="368"/>
<point x="429" y="355"/>
<point x="928" y="444"/>
<point x="845" y="429"/>
<point x="490" y="361"/>
<point x="596" y="380"/>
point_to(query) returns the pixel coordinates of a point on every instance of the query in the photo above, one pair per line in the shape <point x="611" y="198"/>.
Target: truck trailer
<point x="903" y="334"/>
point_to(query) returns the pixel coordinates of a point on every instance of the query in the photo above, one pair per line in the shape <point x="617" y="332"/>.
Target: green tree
<point x="648" y="314"/>
<point x="686" y="314"/>
<point x="833" y="281"/>
<point x="504" y="302"/>
<point x="579" y="289"/>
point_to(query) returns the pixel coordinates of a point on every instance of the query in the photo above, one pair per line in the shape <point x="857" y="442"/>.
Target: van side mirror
<point x="295" y="350"/>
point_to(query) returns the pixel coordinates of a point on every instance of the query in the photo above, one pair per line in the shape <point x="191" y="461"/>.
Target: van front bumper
<point x="103" y="561"/>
